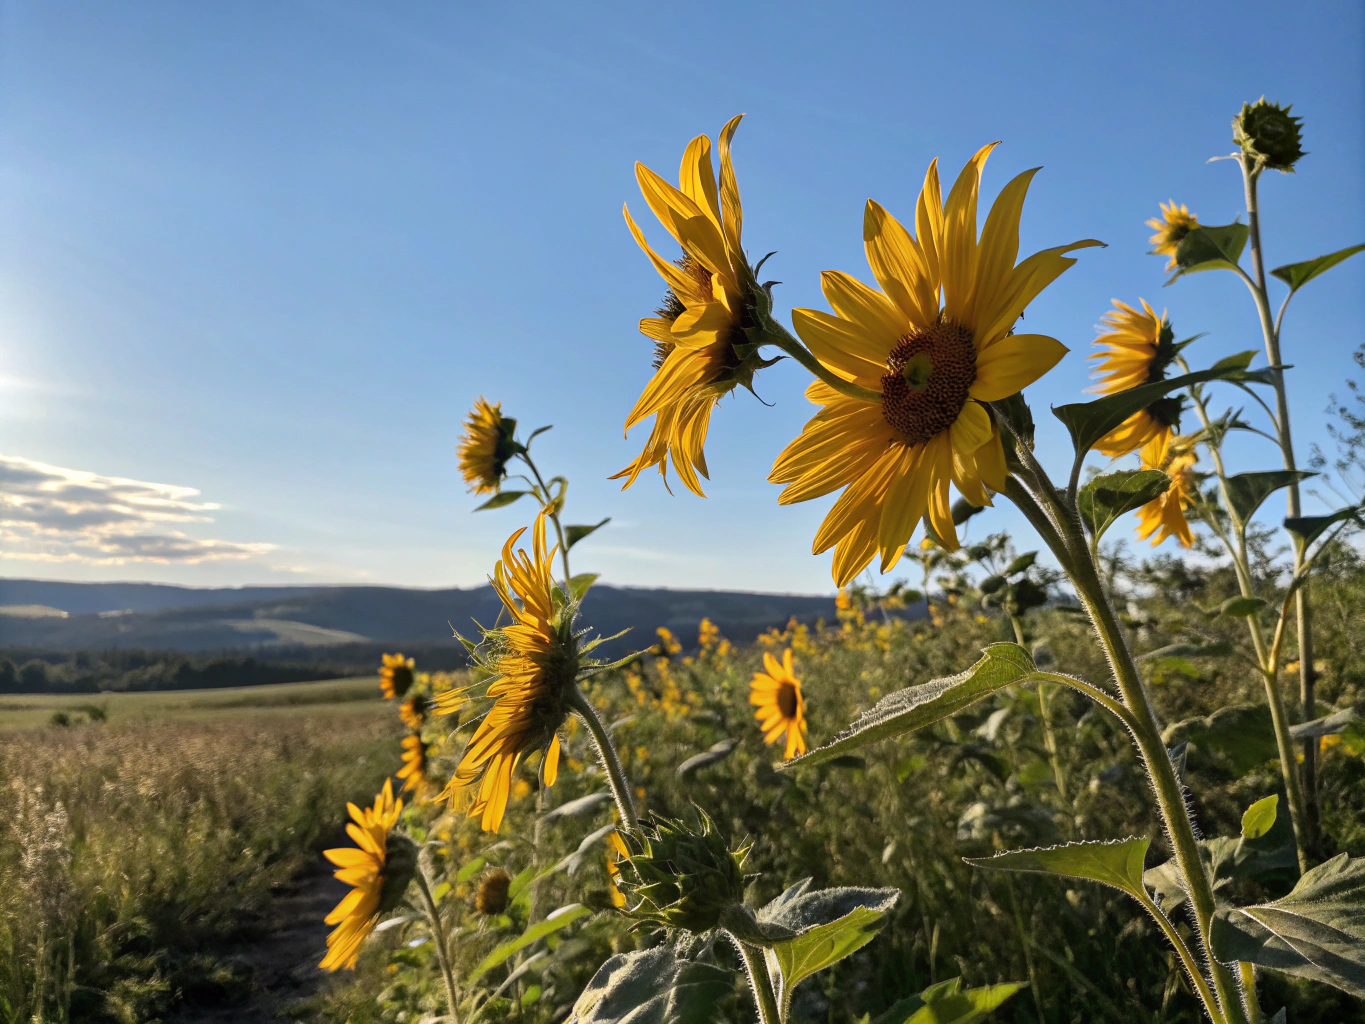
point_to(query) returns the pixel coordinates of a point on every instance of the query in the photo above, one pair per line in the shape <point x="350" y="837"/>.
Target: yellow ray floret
<point x="781" y="709"/>
<point x="696" y="330"/>
<point x="935" y="343"/>
<point x="362" y="868"/>
<point x="1164" y="516"/>
<point x="1135" y="349"/>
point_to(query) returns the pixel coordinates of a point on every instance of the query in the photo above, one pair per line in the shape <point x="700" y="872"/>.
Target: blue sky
<point x="272" y="252"/>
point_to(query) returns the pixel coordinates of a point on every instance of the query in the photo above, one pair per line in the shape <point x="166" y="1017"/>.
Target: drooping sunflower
<point x="535" y="662"/>
<point x="1164" y="515"/>
<point x="486" y="447"/>
<point x="378" y="868"/>
<point x="934" y="363"/>
<point x="1137" y="348"/>
<point x="395" y="676"/>
<point x="414" y="770"/>
<point x="1171" y="227"/>
<point x="698" y="332"/>
<point x="781" y="710"/>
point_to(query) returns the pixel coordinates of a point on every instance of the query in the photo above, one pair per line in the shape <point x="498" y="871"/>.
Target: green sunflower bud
<point x="1269" y="134"/>
<point x="400" y="864"/>
<point x="679" y="875"/>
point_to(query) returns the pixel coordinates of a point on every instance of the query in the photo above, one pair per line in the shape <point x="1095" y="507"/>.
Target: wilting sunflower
<point x="933" y="364"/>
<point x="535" y="662"/>
<point x="698" y="332"/>
<point x="378" y="869"/>
<point x="486" y="447"/>
<point x="1136" y="350"/>
<point x="414" y="770"/>
<point x="781" y="710"/>
<point x="395" y="676"/>
<point x="1164" y="515"/>
<point x="1171" y="227"/>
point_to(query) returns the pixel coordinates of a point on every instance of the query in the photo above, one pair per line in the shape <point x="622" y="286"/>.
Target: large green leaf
<point x="573" y="534"/>
<point x="1246" y="491"/>
<point x="917" y="706"/>
<point x="652" y="986"/>
<point x="501" y="499"/>
<point x="1317" y="931"/>
<point x="1241" y="733"/>
<point x="1104" y="499"/>
<point x="1117" y="863"/>
<point x="1309" y="528"/>
<point x="947" y="1003"/>
<point x="825" y="926"/>
<point x="1210" y="247"/>
<point x="1296" y="275"/>
<point x="1242" y="607"/>
<point x="561" y="918"/>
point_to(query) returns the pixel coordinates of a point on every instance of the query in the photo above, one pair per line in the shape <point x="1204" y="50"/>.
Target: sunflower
<point x="1171" y="227"/>
<point x="413" y="710"/>
<point x="934" y="366"/>
<point x="535" y="662"/>
<point x="698" y="331"/>
<point x="414" y="770"/>
<point x="395" y="675"/>
<point x="780" y="706"/>
<point x="1164" y="515"/>
<point x="486" y="447"/>
<point x="378" y="869"/>
<point x="1136" y="350"/>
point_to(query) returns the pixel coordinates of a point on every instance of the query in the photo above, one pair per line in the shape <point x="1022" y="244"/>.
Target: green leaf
<point x="1104" y="499"/>
<point x="1296" y="275"/>
<point x="573" y="534"/>
<point x="1241" y="607"/>
<point x="1200" y="650"/>
<point x="578" y="585"/>
<point x="718" y="752"/>
<point x="1330" y="725"/>
<point x="501" y="499"/>
<point x="1260" y="816"/>
<point x="991" y="584"/>
<point x="1310" y="528"/>
<point x="1246" y="491"/>
<point x="523" y="879"/>
<point x="561" y="918"/>
<point x="1242" y="733"/>
<point x="1317" y="931"/>
<point x="917" y="706"/>
<point x="1269" y="859"/>
<point x="946" y="1003"/>
<point x="1022" y="563"/>
<point x="652" y="986"/>
<point x="829" y="924"/>
<point x="1210" y="248"/>
<point x="471" y="869"/>
<point x="963" y="510"/>
<point x="1117" y="863"/>
<point x="582" y="805"/>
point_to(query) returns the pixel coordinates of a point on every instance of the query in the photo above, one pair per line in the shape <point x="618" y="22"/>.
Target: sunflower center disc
<point x="786" y="700"/>
<point x="927" y="379"/>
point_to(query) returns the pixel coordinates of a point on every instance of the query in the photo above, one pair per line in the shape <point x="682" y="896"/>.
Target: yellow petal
<point x="995" y="317"/>
<point x="971" y="429"/>
<point x="999" y="244"/>
<point x="855" y="551"/>
<point x="698" y="179"/>
<point x="958" y="264"/>
<point x="862" y="500"/>
<point x="903" y="507"/>
<point x="843" y="345"/>
<point x="898" y="265"/>
<point x="1012" y="364"/>
<point x="682" y="284"/>
<point x="732" y="215"/>
<point x="929" y="226"/>
<point x="882" y="323"/>
<point x="550" y="770"/>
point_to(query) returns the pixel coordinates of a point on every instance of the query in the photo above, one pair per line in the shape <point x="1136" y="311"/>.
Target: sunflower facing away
<point x="534" y="660"/>
<point x="934" y="363"/>
<point x="1164" y="515"/>
<point x="378" y="870"/>
<point x="1171" y="227"/>
<point x="486" y="447"/>
<point x="414" y="770"/>
<point x="781" y="710"/>
<point x="1136" y="349"/>
<point x="395" y="676"/>
<point x="698" y="330"/>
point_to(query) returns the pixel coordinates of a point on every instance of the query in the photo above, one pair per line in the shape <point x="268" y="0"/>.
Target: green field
<point x="328" y="696"/>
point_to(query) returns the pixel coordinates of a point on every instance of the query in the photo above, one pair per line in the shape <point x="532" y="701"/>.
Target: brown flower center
<point x="928" y="375"/>
<point x="786" y="700"/>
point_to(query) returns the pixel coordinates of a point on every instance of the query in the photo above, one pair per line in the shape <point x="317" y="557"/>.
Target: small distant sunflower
<point x="378" y="869"/>
<point x="698" y="331"/>
<point x="395" y="676"/>
<point x="414" y="770"/>
<point x="1171" y="227"/>
<point x="1164" y="516"/>
<point x="934" y="366"/>
<point x="1137" y="349"/>
<point x="535" y="661"/>
<point x="780" y="707"/>
<point x="486" y="447"/>
<point x="413" y="710"/>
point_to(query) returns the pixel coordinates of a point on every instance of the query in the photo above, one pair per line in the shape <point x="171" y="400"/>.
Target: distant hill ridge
<point x="166" y="617"/>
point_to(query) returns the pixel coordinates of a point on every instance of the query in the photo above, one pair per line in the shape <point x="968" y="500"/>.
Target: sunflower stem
<point x="773" y="333"/>
<point x="438" y="936"/>
<point x="759" y="981"/>
<point x="544" y="496"/>
<point x="606" y="750"/>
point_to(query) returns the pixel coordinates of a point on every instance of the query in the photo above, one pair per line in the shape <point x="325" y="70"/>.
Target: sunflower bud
<point x="1269" y="135"/>
<point x="400" y="864"/>
<point x="680" y="875"/>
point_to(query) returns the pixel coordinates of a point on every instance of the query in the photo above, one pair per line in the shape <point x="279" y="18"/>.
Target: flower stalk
<point x="438" y="936"/>
<point x="606" y="751"/>
<point x="759" y="982"/>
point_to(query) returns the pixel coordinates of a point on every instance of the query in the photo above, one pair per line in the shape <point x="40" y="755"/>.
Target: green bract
<point x="1269" y="134"/>
<point x="679" y="875"/>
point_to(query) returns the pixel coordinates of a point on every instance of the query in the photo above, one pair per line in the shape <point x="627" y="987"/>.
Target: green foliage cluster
<point x="118" y="671"/>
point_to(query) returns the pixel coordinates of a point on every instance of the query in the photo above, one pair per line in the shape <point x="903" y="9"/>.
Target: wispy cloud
<point x="51" y="514"/>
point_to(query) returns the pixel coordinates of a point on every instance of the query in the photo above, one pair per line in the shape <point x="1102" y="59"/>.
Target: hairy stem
<point x="611" y="762"/>
<point x="759" y="982"/>
<point x="554" y="518"/>
<point x="438" y="937"/>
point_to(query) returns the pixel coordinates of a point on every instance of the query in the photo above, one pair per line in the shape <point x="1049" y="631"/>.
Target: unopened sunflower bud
<point x="400" y="864"/>
<point x="679" y="875"/>
<point x="1269" y="134"/>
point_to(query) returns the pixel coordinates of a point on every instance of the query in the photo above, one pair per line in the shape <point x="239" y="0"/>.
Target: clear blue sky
<point x="272" y="252"/>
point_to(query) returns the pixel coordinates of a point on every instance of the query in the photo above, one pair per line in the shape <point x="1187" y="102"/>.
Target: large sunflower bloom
<point x="696" y="330"/>
<point x="934" y="365"/>
<point x="1171" y="227"/>
<point x="395" y="676"/>
<point x="534" y="664"/>
<point x="378" y="871"/>
<point x="1164" y="515"/>
<point x="414" y="770"/>
<point x="486" y="447"/>
<point x="1136" y="349"/>
<point x="781" y="710"/>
